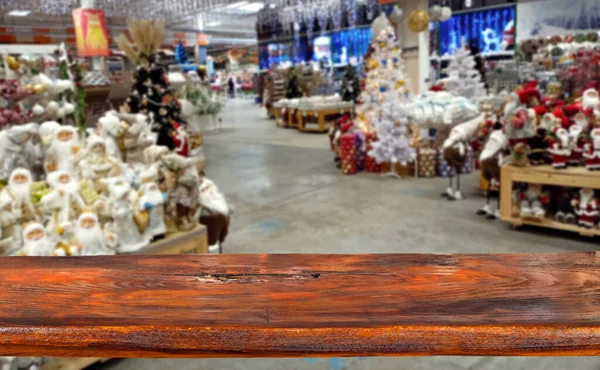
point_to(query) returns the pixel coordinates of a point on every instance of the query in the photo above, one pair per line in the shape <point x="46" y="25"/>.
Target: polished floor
<point x="289" y="198"/>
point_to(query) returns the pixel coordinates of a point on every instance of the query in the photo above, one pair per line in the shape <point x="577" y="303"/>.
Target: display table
<point x="574" y="177"/>
<point x="189" y="242"/>
<point x="322" y="114"/>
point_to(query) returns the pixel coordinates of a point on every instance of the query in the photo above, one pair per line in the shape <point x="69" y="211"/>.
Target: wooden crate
<point x="188" y="242"/>
<point x="575" y="177"/>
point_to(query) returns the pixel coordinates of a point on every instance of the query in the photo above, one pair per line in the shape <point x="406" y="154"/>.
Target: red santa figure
<point x="520" y="113"/>
<point x="586" y="207"/>
<point x="560" y="148"/>
<point x="578" y="139"/>
<point x="592" y="151"/>
<point x="534" y="201"/>
<point x="589" y="106"/>
<point x="181" y="140"/>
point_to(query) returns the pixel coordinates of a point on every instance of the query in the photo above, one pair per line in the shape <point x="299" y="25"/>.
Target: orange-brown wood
<point x="300" y="305"/>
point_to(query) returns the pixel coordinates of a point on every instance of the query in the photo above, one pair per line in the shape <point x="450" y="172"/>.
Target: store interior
<point x="299" y="126"/>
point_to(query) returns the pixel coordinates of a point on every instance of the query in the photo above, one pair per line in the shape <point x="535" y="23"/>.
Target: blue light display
<point x="485" y="27"/>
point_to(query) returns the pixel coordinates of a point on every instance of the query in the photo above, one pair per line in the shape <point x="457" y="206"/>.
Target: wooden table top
<point x="300" y="305"/>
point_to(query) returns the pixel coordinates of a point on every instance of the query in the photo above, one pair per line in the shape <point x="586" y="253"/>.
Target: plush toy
<point x="534" y="201"/>
<point x="586" y="207"/>
<point x="592" y="151"/>
<point x="560" y="148"/>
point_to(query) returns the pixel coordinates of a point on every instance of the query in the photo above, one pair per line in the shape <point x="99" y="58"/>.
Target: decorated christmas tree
<point x="180" y="54"/>
<point x="463" y="77"/>
<point x="384" y="80"/>
<point x="350" y="84"/>
<point x="292" y="85"/>
<point x="150" y="90"/>
<point x="393" y="143"/>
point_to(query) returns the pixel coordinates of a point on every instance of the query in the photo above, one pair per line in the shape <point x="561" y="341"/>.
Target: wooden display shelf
<point x="322" y="115"/>
<point x="278" y="114"/>
<point x="188" y="242"/>
<point x="574" y="177"/>
<point x="301" y="305"/>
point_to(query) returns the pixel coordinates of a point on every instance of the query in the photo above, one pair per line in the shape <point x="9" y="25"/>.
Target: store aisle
<point x="289" y="198"/>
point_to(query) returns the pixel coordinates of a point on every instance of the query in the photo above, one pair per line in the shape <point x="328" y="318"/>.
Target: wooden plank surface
<point x="573" y="176"/>
<point x="300" y="305"/>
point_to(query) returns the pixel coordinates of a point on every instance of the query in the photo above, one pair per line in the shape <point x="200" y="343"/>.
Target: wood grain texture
<point x="300" y="305"/>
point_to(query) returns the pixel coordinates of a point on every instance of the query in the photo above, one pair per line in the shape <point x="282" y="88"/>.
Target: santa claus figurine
<point x="12" y="148"/>
<point x="181" y="140"/>
<point x="123" y="225"/>
<point x="560" y="148"/>
<point x="586" y="207"/>
<point x="152" y="200"/>
<point x="96" y="164"/>
<point x="91" y="238"/>
<point x="534" y="201"/>
<point x="578" y="138"/>
<point x="520" y="113"/>
<point x="215" y="214"/>
<point x="15" y="205"/>
<point x="37" y="244"/>
<point x="63" y="203"/>
<point x="62" y="150"/>
<point x="592" y="151"/>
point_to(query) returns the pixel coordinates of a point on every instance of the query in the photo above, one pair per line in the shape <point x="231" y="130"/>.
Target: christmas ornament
<point x="435" y="13"/>
<point x="380" y="24"/>
<point x="38" y="89"/>
<point x="418" y="21"/>
<point x="12" y="63"/>
<point x="446" y="14"/>
<point x="396" y="15"/>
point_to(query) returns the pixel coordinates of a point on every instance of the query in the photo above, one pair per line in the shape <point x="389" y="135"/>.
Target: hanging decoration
<point x="418" y="21"/>
<point x="396" y="16"/>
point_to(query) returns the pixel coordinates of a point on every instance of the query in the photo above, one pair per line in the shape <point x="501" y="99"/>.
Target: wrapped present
<point x="371" y="164"/>
<point x="360" y="154"/>
<point x="427" y="160"/>
<point x="348" y="154"/>
<point x="406" y="170"/>
<point x="445" y="170"/>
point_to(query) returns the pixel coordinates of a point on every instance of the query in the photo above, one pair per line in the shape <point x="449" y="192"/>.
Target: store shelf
<point x="548" y="222"/>
<point x="573" y="177"/>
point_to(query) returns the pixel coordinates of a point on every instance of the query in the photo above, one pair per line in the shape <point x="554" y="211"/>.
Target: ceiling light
<point x="235" y="5"/>
<point x="272" y="6"/>
<point x="19" y="13"/>
<point x="252" y="7"/>
<point x="213" y="24"/>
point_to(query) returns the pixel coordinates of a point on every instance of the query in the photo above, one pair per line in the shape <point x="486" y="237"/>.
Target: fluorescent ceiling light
<point x="235" y="5"/>
<point x="272" y="6"/>
<point x="19" y="13"/>
<point x="213" y="24"/>
<point x="252" y="7"/>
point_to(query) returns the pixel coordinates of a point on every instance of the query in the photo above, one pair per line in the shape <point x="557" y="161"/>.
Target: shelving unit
<point x="574" y="177"/>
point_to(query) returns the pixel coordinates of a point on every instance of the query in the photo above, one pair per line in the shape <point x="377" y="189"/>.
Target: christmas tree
<point x="350" y="84"/>
<point x="393" y="143"/>
<point x="463" y="77"/>
<point x="384" y="80"/>
<point x="150" y="90"/>
<point x="292" y="85"/>
<point x="180" y="54"/>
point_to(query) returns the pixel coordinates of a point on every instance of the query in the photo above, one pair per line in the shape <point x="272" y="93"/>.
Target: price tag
<point x="447" y="117"/>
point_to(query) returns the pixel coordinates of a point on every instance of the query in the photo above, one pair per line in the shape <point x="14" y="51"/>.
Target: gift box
<point x="360" y="154"/>
<point x="406" y="170"/>
<point x="426" y="158"/>
<point x="348" y="154"/>
<point x="371" y="164"/>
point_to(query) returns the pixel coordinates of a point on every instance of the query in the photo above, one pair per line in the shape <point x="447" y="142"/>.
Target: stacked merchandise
<point x="108" y="190"/>
<point x="274" y="89"/>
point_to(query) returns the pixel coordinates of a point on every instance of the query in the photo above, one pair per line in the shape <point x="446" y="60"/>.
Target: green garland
<point x="77" y="97"/>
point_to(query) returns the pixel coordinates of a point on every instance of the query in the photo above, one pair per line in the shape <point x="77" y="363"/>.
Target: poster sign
<point x="549" y="18"/>
<point x="90" y="32"/>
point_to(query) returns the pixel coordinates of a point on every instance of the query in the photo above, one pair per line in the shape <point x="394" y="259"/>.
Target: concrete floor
<point x="289" y="198"/>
